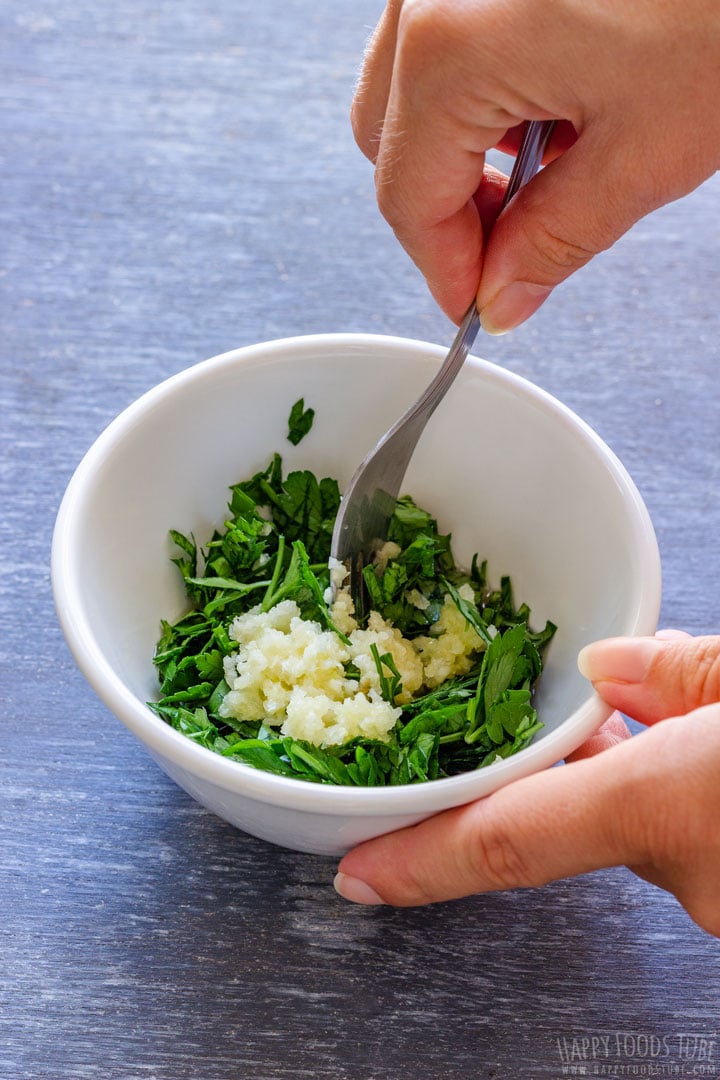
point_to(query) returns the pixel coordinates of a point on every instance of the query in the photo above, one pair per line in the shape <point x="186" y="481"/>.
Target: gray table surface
<point x="179" y="179"/>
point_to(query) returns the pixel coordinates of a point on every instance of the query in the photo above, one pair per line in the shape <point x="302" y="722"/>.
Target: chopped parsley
<point x="300" y="422"/>
<point x="274" y="545"/>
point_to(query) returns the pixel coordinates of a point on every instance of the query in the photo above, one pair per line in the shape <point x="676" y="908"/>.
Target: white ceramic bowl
<point x="510" y="471"/>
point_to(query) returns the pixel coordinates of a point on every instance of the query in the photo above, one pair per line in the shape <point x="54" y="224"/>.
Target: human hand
<point x="443" y="83"/>
<point x="651" y="802"/>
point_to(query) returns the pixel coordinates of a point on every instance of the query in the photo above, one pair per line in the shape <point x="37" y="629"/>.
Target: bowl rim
<point x="164" y="742"/>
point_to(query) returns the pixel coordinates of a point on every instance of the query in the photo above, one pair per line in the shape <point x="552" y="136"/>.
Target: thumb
<point x="650" y="802"/>
<point x="565" y="821"/>
<point x="652" y="678"/>
<point x="576" y="207"/>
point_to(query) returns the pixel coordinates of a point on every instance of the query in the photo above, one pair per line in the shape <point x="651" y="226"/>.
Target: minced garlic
<point x="452" y="644"/>
<point x="290" y="672"/>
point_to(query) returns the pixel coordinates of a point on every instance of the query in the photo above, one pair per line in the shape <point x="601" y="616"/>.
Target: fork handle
<point x="530" y="155"/>
<point x="527" y="163"/>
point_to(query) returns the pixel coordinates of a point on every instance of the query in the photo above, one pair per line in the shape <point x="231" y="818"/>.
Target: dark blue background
<point x="179" y="179"/>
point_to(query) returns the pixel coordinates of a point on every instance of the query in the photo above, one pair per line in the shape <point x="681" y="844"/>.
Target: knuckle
<point x="412" y="891"/>
<point x="702" y="676"/>
<point x="422" y="23"/>
<point x="558" y="251"/>
<point x="366" y="139"/>
<point x="495" y="855"/>
<point x="433" y="26"/>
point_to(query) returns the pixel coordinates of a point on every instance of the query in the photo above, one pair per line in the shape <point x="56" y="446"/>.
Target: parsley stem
<point x="268" y="598"/>
<point x="389" y="688"/>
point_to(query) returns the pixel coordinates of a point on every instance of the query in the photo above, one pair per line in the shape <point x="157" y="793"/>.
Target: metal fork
<point x="369" y="501"/>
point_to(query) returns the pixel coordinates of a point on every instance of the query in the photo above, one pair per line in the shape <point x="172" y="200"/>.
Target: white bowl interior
<point x="509" y="471"/>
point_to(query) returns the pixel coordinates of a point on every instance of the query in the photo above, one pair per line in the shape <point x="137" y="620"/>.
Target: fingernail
<point x="621" y="660"/>
<point x="513" y="305"/>
<point x="351" y="888"/>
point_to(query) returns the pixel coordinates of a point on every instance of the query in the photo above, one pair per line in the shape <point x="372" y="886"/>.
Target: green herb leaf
<point x="471" y="613"/>
<point x="390" y="686"/>
<point x="300" y="422"/>
<point x="274" y="545"/>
